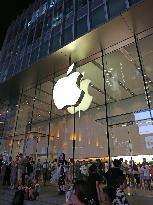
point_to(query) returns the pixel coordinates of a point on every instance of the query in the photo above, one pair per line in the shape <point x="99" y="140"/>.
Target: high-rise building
<point x="110" y="44"/>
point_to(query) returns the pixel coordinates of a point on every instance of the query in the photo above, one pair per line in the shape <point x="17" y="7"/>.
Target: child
<point x="69" y="196"/>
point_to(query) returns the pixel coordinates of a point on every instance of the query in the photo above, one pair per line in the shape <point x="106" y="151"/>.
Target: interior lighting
<point x="7" y="111"/>
<point x="138" y="68"/>
<point x="132" y="93"/>
<point x="39" y="115"/>
<point x="91" y="85"/>
<point x="120" y="83"/>
<point x="144" y="75"/>
<point x="111" y="69"/>
<point x="149" y="81"/>
<point x="99" y="90"/>
<point x="107" y="73"/>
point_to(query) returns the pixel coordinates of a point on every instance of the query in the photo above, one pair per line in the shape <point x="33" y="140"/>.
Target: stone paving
<point x="49" y="196"/>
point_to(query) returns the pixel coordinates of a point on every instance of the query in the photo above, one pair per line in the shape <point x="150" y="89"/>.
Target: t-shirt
<point x="120" y="198"/>
<point x="91" y="180"/>
<point x="146" y="171"/>
<point x="112" y="176"/>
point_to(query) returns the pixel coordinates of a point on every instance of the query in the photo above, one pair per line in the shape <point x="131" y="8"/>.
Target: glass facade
<point x="119" y="118"/>
<point x="40" y="20"/>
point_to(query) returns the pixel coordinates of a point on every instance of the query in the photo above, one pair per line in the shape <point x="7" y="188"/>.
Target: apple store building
<point x="92" y="98"/>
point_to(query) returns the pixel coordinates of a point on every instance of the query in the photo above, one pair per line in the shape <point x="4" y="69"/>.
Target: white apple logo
<point x="71" y="91"/>
<point x="87" y="99"/>
<point x="66" y="91"/>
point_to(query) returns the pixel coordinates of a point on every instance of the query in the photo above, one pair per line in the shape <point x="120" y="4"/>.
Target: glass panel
<point x="34" y="55"/>
<point x="147" y="60"/>
<point x="44" y="49"/>
<point x="55" y="42"/>
<point x="134" y="1"/>
<point x="81" y="3"/>
<point x="48" y="21"/>
<point x="68" y="6"/>
<point x="30" y="37"/>
<point x="98" y="16"/>
<point x="38" y="30"/>
<point x="67" y="35"/>
<point x="82" y="26"/>
<point x="116" y="7"/>
<point x="124" y="83"/>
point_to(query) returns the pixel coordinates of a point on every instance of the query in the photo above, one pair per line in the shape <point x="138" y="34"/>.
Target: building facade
<point x="110" y="43"/>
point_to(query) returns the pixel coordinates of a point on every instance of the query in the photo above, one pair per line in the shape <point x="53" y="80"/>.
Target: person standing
<point x="21" y="169"/>
<point x="30" y="167"/>
<point x="93" y="181"/>
<point x="7" y="174"/>
<point x="45" y="170"/>
<point x="114" y="173"/>
<point x="14" y="172"/>
<point x="38" y="169"/>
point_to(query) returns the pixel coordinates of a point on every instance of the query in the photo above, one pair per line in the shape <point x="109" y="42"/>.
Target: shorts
<point x="146" y="177"/>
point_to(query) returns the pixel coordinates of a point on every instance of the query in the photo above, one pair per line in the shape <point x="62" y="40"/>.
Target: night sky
<point x="10" y="9"/>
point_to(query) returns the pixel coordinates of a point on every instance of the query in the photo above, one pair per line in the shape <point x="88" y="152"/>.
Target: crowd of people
<point x="92" y="182"/>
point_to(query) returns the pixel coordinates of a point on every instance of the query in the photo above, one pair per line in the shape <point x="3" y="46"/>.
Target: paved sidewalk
<point x="49" y="196"/>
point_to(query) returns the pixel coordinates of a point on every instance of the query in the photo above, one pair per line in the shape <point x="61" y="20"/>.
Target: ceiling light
<point x="110" y="85"/>
<point x="7" y="111"/>
<point x="107" y="73"/>
<point x="144" y="75"/>
<point x="120" y="83"/>
<point x="132" y="93"/>
<point x="39" y="115"/>
<point x="91" y="85"/>
<point x="99" y="90"/>
<point x="149" y="81"/>
<point x="139" y="68"/>
<point x="111" y="69"/>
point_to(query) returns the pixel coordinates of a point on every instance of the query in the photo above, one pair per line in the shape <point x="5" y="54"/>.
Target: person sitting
<point x="18" y="198"/>
<point x="32" y="190"/>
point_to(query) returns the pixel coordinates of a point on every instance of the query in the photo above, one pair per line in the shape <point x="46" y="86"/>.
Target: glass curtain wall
<point x="120" y="81"/>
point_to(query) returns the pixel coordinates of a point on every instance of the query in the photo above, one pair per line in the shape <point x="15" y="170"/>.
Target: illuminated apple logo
<point x="66" y="91"/>
<point x="86" y="100"/>
<point x="72" y="91"/>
